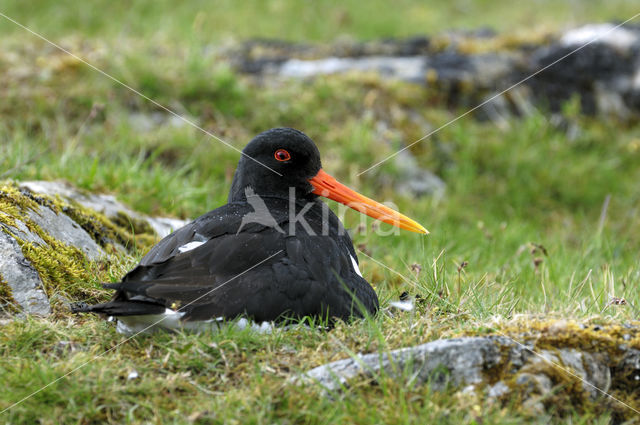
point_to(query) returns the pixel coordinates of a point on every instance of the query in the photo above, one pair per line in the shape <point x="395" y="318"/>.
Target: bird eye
<point x="282" y="155"/>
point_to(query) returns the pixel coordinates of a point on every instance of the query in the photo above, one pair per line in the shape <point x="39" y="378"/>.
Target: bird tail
<point x="120" y="305"/>
<point x="119" y="308"/>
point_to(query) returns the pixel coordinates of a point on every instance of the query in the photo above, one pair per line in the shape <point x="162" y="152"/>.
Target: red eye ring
<point x="282" y="155"/>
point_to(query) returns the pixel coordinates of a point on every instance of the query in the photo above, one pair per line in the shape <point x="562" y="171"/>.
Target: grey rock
<point x="459" y="361"/>
<point x="620" y="38"/>
<point x="62" y="228"/>
<point x="411" y="180"/>
<point x="477" y="72"/>
<point x="469" y="364"/>
<point x="26" y="286"/>
<point x="591" y="368"/>
<point x="414" y="180"/>
<point x="627" y="371"/>
<point x="449" y="67"/>
<point x="498" y="390"/>
<point x="163" y="225"/>
<point x="402" y="68"/>
<point x="534" y="383"/>
<point x="105" y="204"/>
<point x="602" y="73"/>
<point x="598" y="63"/>
<point x="22" y="232"/>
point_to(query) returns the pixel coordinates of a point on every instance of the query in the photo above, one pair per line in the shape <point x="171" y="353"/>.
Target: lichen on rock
<point x="542" y="365"/>
<point x="54" y="246"/>
<point x="8" y="304"/>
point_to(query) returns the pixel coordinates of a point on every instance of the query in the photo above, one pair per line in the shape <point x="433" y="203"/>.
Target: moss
<point x="610" y="340"/>
<point x="7" y="303"/>
<point x="13" y="204"/>
<point x="62" y="268"/>
<point x="106" y="232"/>
<point x="145" y="235"/>
<point x="470" y="44"/>
<point x="567" y="394"/>
<point x="133" y="234"/>
<point x="65" y="270"/>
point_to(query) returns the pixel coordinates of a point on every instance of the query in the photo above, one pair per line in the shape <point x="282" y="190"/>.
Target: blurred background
<point x="552" y="163"/>
<point x="531" y="192"/>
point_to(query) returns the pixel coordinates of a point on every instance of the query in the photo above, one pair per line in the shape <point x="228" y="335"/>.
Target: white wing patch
<point x="355" y="265"/>
<point x="189" y="246"/>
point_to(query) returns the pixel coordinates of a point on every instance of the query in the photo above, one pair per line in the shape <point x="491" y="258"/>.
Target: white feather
<point x="189" y="246"/>
<point x="406" y="305"/>
<point x="355" y="266"/>
<point x="170" y="319"/>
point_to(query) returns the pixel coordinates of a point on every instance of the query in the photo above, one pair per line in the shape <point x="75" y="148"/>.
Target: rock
<point x="162" y="225"/>
<point x="476" y="72"/>
<point x="620" y="38"/>
<point x="627" y="371"/>
<point x="600" y="74"/>
<point x="447" y="69"/>
<point x="595" y="378"/>
<point x="264" y="56"/>
<point x="410" y="69"/>
<point x="598" y="63"/>
<point x="410" y="180"/>
<point x="65" y="230"/>
<point x="105" y="204"/>
<point x="459" y="361"/>
<point x="539" y="377"/>
<point x="21" y="231"/>
<point x="23" y="280"/>
<point x="498" y="390"/>
<point x="416" y="181"/>
<point x="46" y="239"/>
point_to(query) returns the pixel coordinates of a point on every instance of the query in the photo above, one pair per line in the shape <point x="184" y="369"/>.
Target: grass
<point x="204" y="21"/>
<point x="524" y="207"/>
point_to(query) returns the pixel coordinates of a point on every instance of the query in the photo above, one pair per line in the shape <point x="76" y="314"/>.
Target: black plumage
<point x="233" y="262"/>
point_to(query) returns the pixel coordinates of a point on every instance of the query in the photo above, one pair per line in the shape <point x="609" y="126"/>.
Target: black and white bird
<point x="274" y="251"/>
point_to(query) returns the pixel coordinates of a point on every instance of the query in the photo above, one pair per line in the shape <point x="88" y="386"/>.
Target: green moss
<point x="65" y="270"/>
<point x="7" y="303"/>
<point x="133" y="234"/>
<point x="145" y="236"/>
<point x="567" y="395"/>
<point x="611" y="341"/>
<point x="106" y="232"/>
<point x="13" y="204"/>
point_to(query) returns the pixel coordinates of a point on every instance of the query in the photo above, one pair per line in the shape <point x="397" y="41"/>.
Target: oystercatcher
<point x="274" y="251"/>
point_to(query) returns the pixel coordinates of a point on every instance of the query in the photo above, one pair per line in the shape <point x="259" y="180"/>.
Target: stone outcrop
<point x="541" y="365"/>
<point x="104" y="204"/>
<point x="50" y="232"/>
<point x="600" y="65"/>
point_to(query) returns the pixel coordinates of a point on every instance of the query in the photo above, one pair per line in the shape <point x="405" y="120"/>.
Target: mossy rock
<point x="557" y="366"/>
<point x="56" y="250"/>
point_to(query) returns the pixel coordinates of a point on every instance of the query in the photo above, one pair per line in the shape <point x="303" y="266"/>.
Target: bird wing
<point x="260" y="275"/>
<point x="258" y="272"/>
<point x="222" y="221"/>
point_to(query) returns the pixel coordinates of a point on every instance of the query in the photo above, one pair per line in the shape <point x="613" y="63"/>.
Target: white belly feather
<point x="170" y="320"/>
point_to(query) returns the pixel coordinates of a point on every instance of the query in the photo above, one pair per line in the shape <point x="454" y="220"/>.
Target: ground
<point x="543" y="212"/>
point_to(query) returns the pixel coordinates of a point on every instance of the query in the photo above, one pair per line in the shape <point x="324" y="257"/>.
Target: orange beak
<point x="327" y="186"/>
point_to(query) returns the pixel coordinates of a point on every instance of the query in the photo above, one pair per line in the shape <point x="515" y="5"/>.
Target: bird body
<point x="274" y="251"/>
